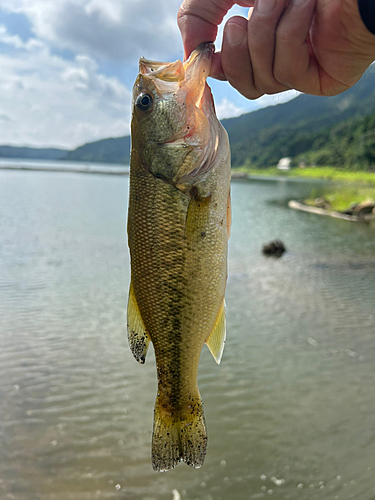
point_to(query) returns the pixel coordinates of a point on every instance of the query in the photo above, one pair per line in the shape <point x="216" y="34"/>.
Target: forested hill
<point x="32" y="153"/>
<point x="306" y="128"/>
<point x="113" y="150"/>
<point x="349" y="144"/>
<point x="307" y="113"/>
<point x="261" y="138"/>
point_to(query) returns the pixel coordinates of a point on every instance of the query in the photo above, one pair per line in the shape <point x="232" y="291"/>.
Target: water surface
<point x="290" y="411"/>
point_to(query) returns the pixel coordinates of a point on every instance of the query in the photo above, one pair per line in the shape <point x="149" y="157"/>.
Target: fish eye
<point x="144" y="102"/>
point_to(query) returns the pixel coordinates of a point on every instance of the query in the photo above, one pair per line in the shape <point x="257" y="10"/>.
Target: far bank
<point x="342" y="190"/>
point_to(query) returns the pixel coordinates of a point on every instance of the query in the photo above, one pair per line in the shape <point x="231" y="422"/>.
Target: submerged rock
<point x="275" y="248"/>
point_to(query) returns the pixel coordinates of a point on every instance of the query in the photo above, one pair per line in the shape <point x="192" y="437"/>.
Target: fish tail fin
<point x="179" y="436"/>
<point x="193" y="435"/>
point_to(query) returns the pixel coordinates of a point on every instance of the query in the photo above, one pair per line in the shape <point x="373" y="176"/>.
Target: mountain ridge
<point x="32" y="153"/>
<point x="258" y="139"/>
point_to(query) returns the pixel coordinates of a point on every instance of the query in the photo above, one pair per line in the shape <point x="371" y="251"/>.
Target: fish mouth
<point x="192" y="74"/>
<point x="197" y="69"/>
<point x="185" y="84"/>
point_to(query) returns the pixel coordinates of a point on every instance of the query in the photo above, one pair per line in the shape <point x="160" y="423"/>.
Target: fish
<point x="179" y="221"/>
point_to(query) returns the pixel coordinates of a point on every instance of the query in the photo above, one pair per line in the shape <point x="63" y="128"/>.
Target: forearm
<point x="342" y="44"/>
<point x="359" y="17"/>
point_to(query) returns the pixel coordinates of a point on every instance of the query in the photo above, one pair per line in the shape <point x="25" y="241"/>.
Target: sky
<point x="67" y="67"/>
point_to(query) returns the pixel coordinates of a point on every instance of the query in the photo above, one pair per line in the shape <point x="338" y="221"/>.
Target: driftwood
<point x="297" y="205"/>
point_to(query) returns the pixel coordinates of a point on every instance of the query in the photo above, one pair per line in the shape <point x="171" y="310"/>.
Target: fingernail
<point x="234" y="34"/>
<point x="266" y="6"/>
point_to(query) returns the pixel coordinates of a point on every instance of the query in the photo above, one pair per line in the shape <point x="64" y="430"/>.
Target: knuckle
<point x="267" y="83"/>
<point x="245" y="87"/>
<point x="285" y="35"/>
<point x="233" y="72"/>
<point x="265" y="87"/>
<point x="185" y="12"/>
<point x="181" y="15"/>
<point x="232" y="68"/>
<point x="283" y="75"/>
<point x="251" y="94"/>
<point x="238" y="70"/>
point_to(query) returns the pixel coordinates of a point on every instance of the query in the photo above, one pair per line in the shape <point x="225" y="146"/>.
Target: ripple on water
<point x="289" y="410"/>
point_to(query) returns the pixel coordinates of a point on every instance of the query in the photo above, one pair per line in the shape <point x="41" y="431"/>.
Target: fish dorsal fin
<point x="138" y="338"/>
<point x="229" y="216"/>
<point x="216" y="340"/>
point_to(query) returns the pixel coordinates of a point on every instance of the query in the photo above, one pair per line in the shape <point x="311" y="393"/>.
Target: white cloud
<point x="16" y="42"/>
<point x="13" y="40"/>
<point x="226" y="109"/>
<point x="120" y="30"/>
<point x="5" y="118"/>
<point x="47" y="100"/>
<point x="273" y="99"/>
<point x="112" y="29"/>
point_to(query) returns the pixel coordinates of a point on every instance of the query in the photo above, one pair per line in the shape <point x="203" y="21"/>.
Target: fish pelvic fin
<point x="179" y="436"/>
<point x="216" y="340"/>
<point x="138" y="337"/>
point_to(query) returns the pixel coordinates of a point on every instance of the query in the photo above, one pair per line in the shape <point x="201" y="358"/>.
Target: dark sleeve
<point x="367" y="11"/>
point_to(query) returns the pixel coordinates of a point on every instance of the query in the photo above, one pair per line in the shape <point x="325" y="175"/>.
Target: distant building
<point x="284" y="163"/>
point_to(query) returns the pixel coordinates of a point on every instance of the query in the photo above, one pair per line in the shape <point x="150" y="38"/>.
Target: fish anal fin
<point x="138" y="337"/>
<point x="216" y="340"/>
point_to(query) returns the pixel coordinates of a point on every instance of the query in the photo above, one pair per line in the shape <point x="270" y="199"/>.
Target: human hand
<point x="320" y="47"/>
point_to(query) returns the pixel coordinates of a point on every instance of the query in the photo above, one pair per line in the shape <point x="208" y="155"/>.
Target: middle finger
<point x="262" y="28"/>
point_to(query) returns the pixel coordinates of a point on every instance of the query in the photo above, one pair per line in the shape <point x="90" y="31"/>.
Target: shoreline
<point x="340" y="194"/>
<point x="298" y="205"/>
<point x="83" y="170"/>
<point x="235" y="174"/>
<point x="318" y="174"/>
<point x="277" y="178"/>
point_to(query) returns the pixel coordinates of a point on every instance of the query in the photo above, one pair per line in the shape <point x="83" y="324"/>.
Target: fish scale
<point x="177" y="232"/>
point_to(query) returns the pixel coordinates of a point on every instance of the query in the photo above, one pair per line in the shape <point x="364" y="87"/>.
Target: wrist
<point x="362" y="39"/>
<point x="367" y="12"/>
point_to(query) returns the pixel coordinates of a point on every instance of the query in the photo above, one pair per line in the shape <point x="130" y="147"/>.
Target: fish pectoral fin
<point x="197" y="213"/>
<point x="138" y="337"/>
<point x="216" y="340"/>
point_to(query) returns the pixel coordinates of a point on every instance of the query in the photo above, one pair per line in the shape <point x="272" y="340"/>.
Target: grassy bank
<point x="325" y="173"/>
<point x="351" y="187"/>
<point x="342" y="196"/>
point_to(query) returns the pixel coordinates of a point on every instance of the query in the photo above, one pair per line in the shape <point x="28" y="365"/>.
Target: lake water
<point x="290" y="411"/>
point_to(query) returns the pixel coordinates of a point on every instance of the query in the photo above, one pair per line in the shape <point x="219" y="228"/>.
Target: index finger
<point x="198" y="20"/>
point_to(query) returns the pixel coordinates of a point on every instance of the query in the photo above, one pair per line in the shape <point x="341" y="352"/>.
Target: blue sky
<point x="67" y="67"/>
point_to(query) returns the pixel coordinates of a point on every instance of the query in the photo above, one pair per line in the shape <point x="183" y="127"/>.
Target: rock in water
<point x="275" y="249"/>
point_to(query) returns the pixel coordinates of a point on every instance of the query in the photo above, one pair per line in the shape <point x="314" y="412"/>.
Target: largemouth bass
<point x="178" y="228"/>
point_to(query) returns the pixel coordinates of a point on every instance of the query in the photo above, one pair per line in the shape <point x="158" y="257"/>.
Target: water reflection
<point x="290" y="409"/>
